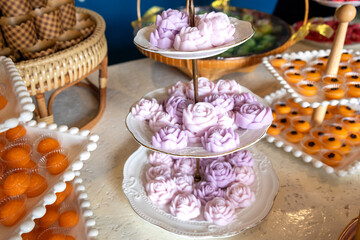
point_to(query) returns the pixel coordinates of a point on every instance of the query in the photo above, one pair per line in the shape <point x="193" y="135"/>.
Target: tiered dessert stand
<point x="344" y="15"/>
<point x="266" y="185"/>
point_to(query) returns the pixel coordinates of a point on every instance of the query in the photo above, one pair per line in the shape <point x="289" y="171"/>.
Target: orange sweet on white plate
<point x="68" y="219"/>
<point x="11" y="211"/>
<point x="47" y="145"/>
<point x="56" y="162"/>
<point x="15" y="133"/>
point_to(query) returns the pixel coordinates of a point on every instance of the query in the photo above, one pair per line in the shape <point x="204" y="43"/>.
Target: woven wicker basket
<point x="56" y="70"/>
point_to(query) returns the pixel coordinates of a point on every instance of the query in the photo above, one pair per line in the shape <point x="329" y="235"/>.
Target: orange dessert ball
<point x="306" y="110"/>
<point x="330" y="142"/>
<point x="16" y="183"/>
<point x="312" y="146"/>
<point x="346" y="111"/>
<point x="60" y="196"/>
<point x="324" y="59"/>
<point x="277" y="62"/>
<point x="47" y="145"/>
<point x="344" y="69"/>
<point x="350" y="124"/>
<point x="353" y="139"/>
<point x="318" y="134"/>
<point x="58" y="236"/>
<point x="313" y="75"/>
<point x="293" y="114"/>
<point x="68" y="219"/>
<point x="291" y="102"/>
<point x="12" y="211"/>
<point x="274" y="129"/>
<point x="352" y="77"/>
<point x="37" y="185"/>
<point x="289" y="66"/>
<point x="299" y="62"/>
<point x="334" y="93"/>
<point x="332" y="158"/>
<point x="301" y="125"/>
<point x="56" y="163"/>
<point x="15" y="133"/>
<point x="345" y="57"/>
<point x="345" y="148"/>
<point x="307" y="89"/>
<point x="294" y="136"/>
<point x="338" y="131"/>
<point x="354" y="90"/>
<point x="283" y="122"/>
<point x="17" y="157"/>
<point x="282" y="108"/>
<point x="273" y="114"/>
<point x="328" y="115"/>
<point x="332" y="80"/>
<point x="320" y="66"/>
<point x="50" y="217"/>
<point x="293" y="76"/>
<point x="31" y="165"/>
<point x="3" y="102"/>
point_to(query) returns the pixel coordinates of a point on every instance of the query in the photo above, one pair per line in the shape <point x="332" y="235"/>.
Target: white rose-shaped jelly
<point x="220" y="139"/>
<point x="205" y="88"/>
<point x="185" y="165"/>
<point x="184" y="183"/>
<point x="185" y="206"/>
<point x="189" y="39"/>
<point x="158" y="158"/>
<point x="158" y="172"/>
<point x="161" y="120"/>
<point x="161" y="191"/>
<point x="219" y="211"/>
<point x="240" y="195"/>
<point x="217" y="25"/>
<point x="145" y="109"/>
<point x="244" y="175"/>
<point x="170" y="138"/>
<point x="199" y="117"/>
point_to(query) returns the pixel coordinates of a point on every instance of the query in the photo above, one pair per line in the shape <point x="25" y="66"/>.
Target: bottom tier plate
<point x="265" y="187"/>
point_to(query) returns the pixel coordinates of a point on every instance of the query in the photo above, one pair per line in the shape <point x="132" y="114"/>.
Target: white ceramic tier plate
<point x="349" y="165"/>
<point x="78" y="145"/>
<point x="244" y="31"/>
<point x="335" y="4"/>
<point x="314" y="101"/>
<point x="265" y="187"/>
<point x="143" y="134"/>
<point x="19" y="107"/>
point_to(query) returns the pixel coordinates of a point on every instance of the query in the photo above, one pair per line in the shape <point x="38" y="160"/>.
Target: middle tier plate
<point x="143" y="134"/>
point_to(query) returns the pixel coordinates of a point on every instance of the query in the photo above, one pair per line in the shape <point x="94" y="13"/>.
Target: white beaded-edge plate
<point x="265" y="187"/>
<point x="143" y="134"/>
<point x="336" y="4"/>
<point x="244" y="31"/>
<point x="20" y="106"/>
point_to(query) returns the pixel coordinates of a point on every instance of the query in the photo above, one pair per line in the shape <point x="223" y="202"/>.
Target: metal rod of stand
<point x="195" y="80"/>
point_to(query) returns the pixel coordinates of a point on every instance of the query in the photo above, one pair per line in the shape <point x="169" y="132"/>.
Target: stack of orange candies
<point x="20" y="175"/>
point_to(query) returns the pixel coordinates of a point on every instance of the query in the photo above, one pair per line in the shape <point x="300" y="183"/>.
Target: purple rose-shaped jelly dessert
<point x="162" y="38"/>
<point x="175" y="106"/>
<point x="185" y="165"/>
<point x="205" y="88"/>
<point x="219" y="211"/>
<point x="227" y="120"/>
<point x="161" y="191"/>
<point x="220" y="139"/>
<point x="199" y="117"/>
<point x="161" y="120"/>
<point x="221" y="173"/>
<point x="240" y="99"/>
<point x="241" y="158"/>
<point x="185" y="206"/>
<point x="253" y="116"/>
<point x="228" y="87"/>
<point x="158" y="172"/>
<point x="178" y="89"/>
<point x="206" y="191"/>
<point x="170" y="138"/>
<point x="145" y="109"/>
<point x="158" y="158"/>
<point x="218" y="26"/>
<point x="184" y="183"/>
<point x="240" y="195"/>
<point x="222" y="103"/>
<point x="244" y="175"/>
<point x="189" y="39"/>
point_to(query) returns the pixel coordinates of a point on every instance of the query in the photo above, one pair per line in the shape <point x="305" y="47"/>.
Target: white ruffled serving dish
<point x="265" y="187"/>
<point x="318" y="99"/>
<point x="352" y="163"/>
<point x="143" y="134"/>
<point x="19" y="107"/>
<point x="78" y="145"/>
<point x="244" y="32"/>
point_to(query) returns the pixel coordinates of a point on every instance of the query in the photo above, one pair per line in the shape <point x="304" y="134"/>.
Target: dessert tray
<point x="312" y="60"/>
<point x="350" y="163"/>
<point x="19" y="106"/>
<point x="337" y="4"/>
<point x="143" y="134"/>
<point x="76" y="144"/>
<point x="244" y="31"/>
<point x="265" y="187"/>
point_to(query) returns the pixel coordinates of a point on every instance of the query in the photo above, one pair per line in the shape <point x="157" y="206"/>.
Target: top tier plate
<point x="244" y="31"/>
<point x="312" y="61"/>
<point x="336" y="4"/>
